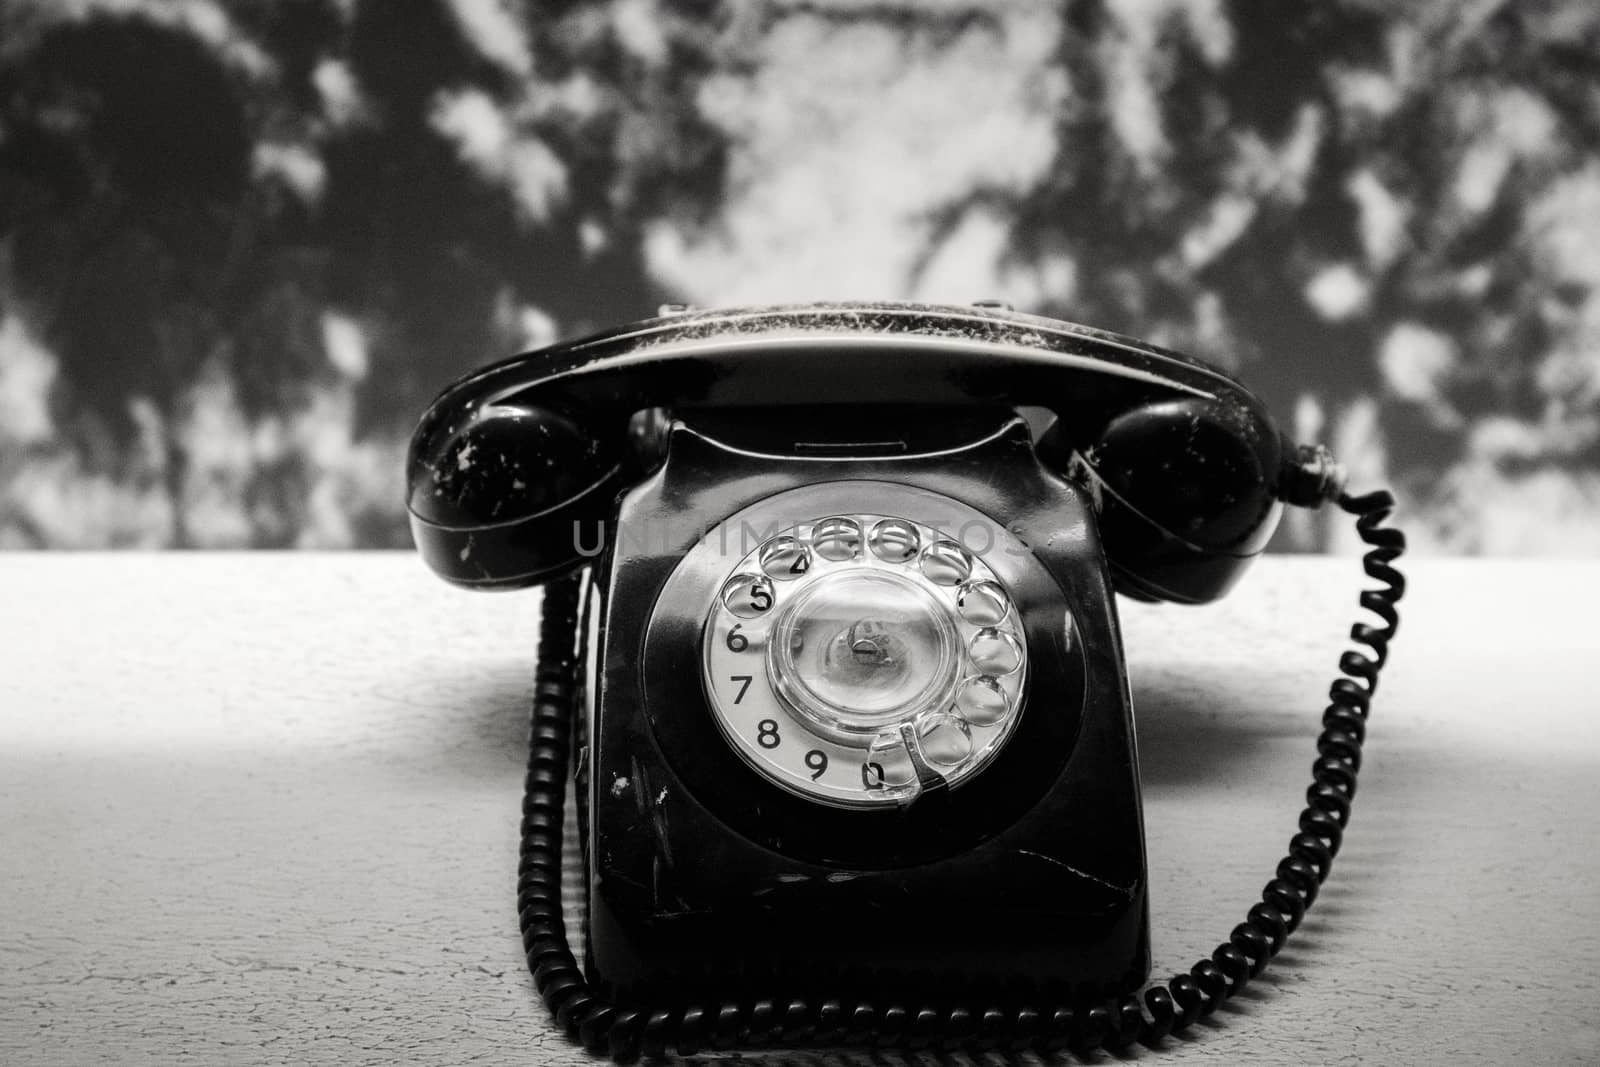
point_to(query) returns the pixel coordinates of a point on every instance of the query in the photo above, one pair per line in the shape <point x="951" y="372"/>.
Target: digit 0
<point x="872" y="775"/>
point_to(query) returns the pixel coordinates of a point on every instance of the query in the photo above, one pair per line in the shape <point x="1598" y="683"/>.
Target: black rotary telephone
<point x="852" y="740"/>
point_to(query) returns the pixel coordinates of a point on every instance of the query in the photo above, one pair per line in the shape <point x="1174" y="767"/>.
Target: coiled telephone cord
<point x="628" y="1031"/>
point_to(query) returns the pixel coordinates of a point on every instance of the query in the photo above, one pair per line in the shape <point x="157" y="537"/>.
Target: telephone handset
<point x="852" y="742"/>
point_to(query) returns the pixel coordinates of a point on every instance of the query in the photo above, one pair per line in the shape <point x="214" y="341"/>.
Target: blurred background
<point x="243" y="243"/>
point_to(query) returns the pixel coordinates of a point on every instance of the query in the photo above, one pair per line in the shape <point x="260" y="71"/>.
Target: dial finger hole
<point x="945" y="739"/>
<point x="748" y="596"/>
<point x="888" y="764"/>
<point x="981" y="701"/>
<point x="982" y="603"/>
<point x="994" y="652"/>
<point x="946" y="563"/>
<point x="836" y="539"/>
<point x="893" y="540"/>
<point x="785" y="558"/>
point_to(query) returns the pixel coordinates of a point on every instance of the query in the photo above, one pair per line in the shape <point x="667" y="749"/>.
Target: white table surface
<point x="263" y="809"/>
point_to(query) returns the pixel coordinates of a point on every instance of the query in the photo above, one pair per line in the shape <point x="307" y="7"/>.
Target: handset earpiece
<point x="505" y="494"/>
<point x="1186" y="489"/>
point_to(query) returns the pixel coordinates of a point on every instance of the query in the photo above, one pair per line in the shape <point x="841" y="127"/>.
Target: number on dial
<point x="748" y="595"/>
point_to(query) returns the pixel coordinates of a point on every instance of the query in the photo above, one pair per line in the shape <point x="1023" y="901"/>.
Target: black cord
<point x="627" y="1032"/>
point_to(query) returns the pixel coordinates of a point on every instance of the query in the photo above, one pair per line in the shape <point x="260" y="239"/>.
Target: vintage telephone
<point x="854" y="753"/>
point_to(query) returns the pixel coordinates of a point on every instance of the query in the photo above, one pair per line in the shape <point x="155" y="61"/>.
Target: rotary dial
<point x="857" y="659"/>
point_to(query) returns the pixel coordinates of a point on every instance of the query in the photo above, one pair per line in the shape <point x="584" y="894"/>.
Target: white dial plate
<point x="850" y="657"/>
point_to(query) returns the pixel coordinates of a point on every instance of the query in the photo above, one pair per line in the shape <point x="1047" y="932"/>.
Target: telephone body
<point x="856" y="722"/>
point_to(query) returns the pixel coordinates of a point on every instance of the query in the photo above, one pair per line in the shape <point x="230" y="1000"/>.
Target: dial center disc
<point x="861" y="648"/>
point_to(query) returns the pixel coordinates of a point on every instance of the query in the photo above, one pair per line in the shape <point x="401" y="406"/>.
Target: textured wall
<point x="241" y="244"/>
